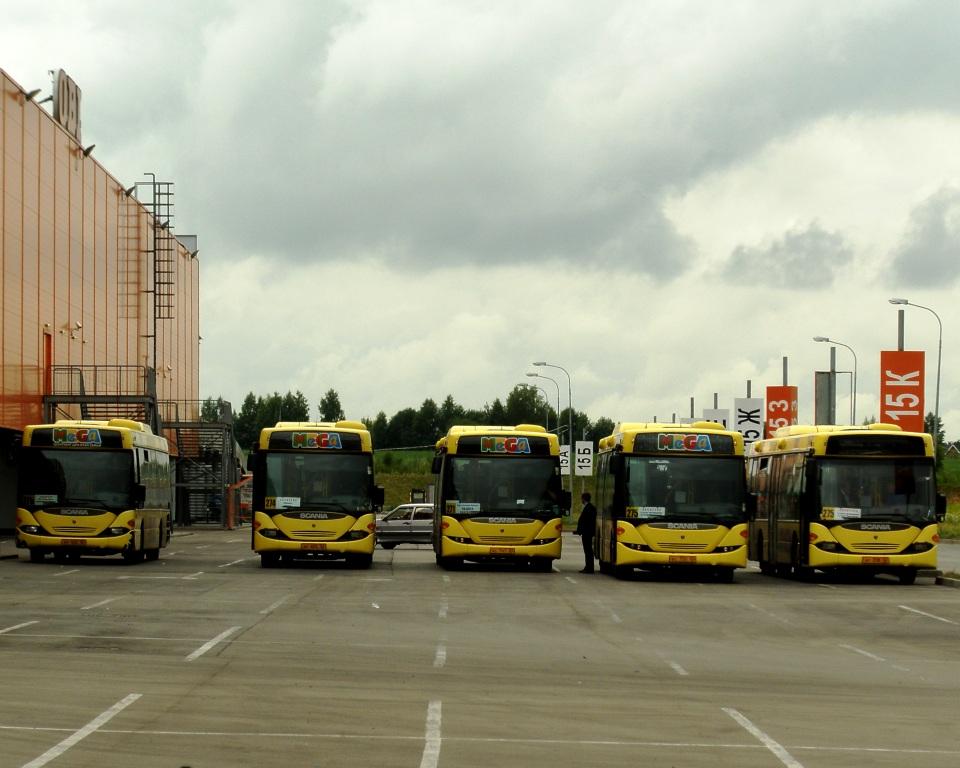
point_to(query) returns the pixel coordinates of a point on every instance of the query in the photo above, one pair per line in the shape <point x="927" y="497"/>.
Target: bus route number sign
<point x="781" y="408"/>
<point x="901" y="389"/>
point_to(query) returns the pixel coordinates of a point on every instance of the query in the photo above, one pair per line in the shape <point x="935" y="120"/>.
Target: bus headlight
<point x="269" y="533"/>
<point x="117" y="531"/>
<point x="919" y="546"/>
<point x="33" y="529"/>
<point x="356" y="535"/>
<point x="730" y="549"/>
<point x="828" y="546"/>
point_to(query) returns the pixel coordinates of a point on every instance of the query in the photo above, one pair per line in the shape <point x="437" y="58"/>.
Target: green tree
<point x="428" y="427"/>
<point x="330" y="409"/>
<point x="933" y="425"/>
<point x="525" y="405"/>
<point x="401" y="429"/>
<point x="600" y="429"/>
<point x="245" y="428"/>
<point x="212" y="409"/>
<point x="378" y="430"/>
<point x="450" y="413"/>
<point x="496" y="414"/>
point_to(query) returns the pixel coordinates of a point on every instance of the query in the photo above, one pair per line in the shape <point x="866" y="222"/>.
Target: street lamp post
<point x="936" y="411"/>
<point x="853" y="382"/>
<point x="546" y="401"/>
<point x="557" y="385"/>
<point x="569" y="416"/>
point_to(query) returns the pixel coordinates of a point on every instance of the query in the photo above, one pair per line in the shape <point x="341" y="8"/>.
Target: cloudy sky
<point x="408" y="199"/>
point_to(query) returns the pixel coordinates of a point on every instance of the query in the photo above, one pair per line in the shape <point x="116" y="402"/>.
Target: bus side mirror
<point x="941" y="507"/>
<point x="139" y="494"/>
<point x="378" y="495"/>
<point x="616" y="464"/>
<point x="435" y="465"/>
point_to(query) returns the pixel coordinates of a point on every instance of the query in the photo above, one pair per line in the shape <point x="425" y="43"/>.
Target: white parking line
<point x="97" y="605"/>
<point x="862" y="652"/>
<point x="17" y="626"/>
<point x="432" y="737"/>
<point x="570" y="579"/>
<point x="317" y="578"/>
<point x="272" y="607"/>
<point x="616" y="619"/>
<point x="64" y="573"/>
<point x="211" y="643"/>
<point x="188" y="577"/>
<point x="440" y="658"/>
<point x="444" y="607"/>
<point x="928" y="615"/>
<point x="77" y="736"/>
<point x="785" y="757"/>
<point x="678" y="669"/>
<point x="446" y="579"/>
<point x="235" y="562"/>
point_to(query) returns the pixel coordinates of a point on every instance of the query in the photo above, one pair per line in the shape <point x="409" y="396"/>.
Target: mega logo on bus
<point x="686" y="443"/>
<point x="321" y="440"/>
<point x="504" y="445"/>
<point x="77" y="438"/>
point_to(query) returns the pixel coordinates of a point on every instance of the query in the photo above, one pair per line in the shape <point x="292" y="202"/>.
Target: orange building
<point x="98" y="294"/>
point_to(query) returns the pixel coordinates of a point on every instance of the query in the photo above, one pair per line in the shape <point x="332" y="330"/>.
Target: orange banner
<point x="781" y="408"/>
<point x="901" y="389"/>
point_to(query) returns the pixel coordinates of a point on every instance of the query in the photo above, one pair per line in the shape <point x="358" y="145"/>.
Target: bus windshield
<point x="325" y="481"/>
<point x="681" y="489"/>
<point x="517" y="487"/>
<point x="76" y="478"/>
<point x="886" y="489"/>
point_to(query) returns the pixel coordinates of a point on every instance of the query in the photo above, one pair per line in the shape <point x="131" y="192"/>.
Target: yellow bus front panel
<point x="870" y="544"/>
<point x="333" y="535"/>
<point x="474" y="539"/>
<point x="100" y="534"/>
<point x="681" y="544"/>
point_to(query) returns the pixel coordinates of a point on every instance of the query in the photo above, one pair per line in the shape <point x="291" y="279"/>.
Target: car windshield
<point x="691" y="488"/>
<point x="886" y="489"/>
<point x="524" y="487"/>
<point x="314" y="481"/>
<point x="91" y="479"/>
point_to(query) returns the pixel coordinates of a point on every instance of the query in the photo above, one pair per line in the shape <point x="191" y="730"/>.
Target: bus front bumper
<point x="471" y="551"/>
<point x="339" y="548"/>
<point x="922" y="560"/>
<point x="736" y="558"/>
<point x="108" y="545"/>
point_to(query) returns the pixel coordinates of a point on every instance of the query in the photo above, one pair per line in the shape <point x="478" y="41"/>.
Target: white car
<point x="406" y="524"/>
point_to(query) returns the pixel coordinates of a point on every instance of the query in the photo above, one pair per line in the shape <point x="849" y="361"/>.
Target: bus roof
<point x="133" y="434"/>
<point x="450" y="442"/>
<point x="342" y="426"/>
<point x="625" y="434"/>
<point x="814" y="437"/>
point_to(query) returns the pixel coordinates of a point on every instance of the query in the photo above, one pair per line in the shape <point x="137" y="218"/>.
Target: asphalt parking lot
<point x="205" y="659"/>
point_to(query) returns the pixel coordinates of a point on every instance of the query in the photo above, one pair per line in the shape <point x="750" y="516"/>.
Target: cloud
<point x="928" y="255"/>
<point x="801" y="259"/>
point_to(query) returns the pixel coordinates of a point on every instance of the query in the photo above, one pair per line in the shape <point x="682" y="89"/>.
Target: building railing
<point x="193" y="411"/>
<point x="98" y="380"/>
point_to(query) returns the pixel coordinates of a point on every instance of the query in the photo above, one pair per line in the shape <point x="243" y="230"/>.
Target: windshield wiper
<point x="76" y="501"/>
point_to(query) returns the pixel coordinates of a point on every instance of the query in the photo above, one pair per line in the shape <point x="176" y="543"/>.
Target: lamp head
<point x="539" y="363"/>
<point x="821" y="338"/>
<point x="898" y="301"/>
<point x="535" y="375"/>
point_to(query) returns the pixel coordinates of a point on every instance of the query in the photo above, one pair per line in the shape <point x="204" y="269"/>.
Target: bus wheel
<point x="388" y="546"/>
<point x="449" y="563"/>
<point x="37" y="555"/>
<point x="541" y="564"/>
<point x="360" y="561"/>
<point x="907" y="576"/>
<point x="269" y="560"/>
<point x="725" y="575"/>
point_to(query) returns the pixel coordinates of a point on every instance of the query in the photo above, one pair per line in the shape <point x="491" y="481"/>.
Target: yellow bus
<point x="498" y="496"/>
<point x="856" y="499"/>
<point x="671" y="496"/>
<point x="314" y="495"/>
<point x="93" y="488"/>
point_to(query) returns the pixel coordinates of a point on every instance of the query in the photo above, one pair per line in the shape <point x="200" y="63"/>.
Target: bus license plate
<point x="74" y="542"/>
<point x="682" y="559"/>
<point x="502" y="550"/>
<point x="313" y="546"/>
<point x="868" y="560"/>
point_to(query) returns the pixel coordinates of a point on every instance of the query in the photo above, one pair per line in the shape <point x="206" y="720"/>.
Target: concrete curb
<point x="947" y="581"/>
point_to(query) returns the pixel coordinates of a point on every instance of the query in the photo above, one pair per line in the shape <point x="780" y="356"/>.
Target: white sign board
<point x="564" y="459"/>
<point x="719" y="415"/>
<point x="748" y="418"/>
<point x="584" y="458"/>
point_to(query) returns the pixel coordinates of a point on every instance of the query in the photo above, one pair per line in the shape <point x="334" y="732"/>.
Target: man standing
<point x="585" y="530"/>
